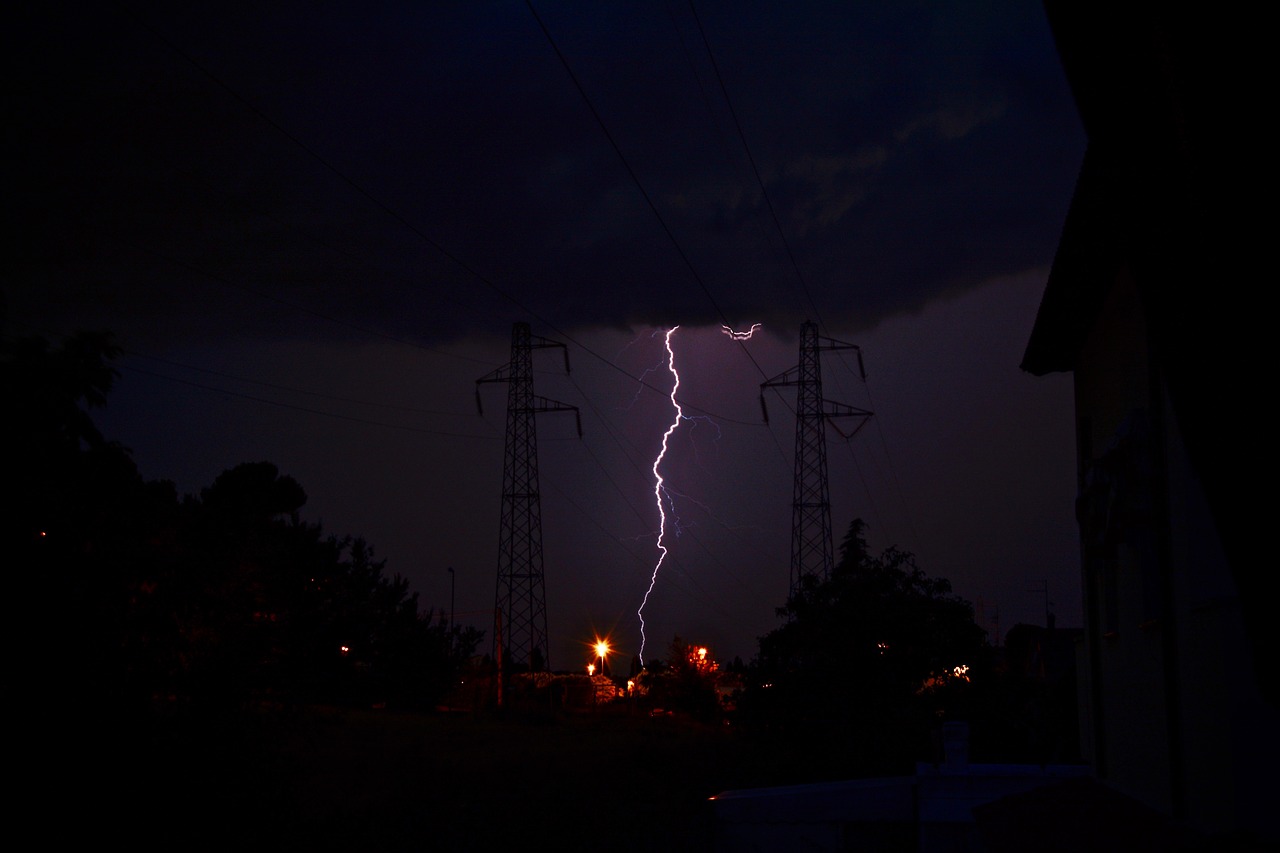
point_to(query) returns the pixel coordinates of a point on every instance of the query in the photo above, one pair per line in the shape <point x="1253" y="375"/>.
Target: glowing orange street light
<point x="602" y="649"/>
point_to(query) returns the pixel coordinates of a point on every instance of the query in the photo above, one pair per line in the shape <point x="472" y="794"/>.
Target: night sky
<point x="312" y="226"/>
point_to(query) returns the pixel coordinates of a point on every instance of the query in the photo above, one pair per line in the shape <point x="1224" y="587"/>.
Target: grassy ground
<point x="327" y="779"/>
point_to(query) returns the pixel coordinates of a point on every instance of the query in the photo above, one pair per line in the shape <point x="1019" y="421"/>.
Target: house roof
<point x="1138" y="91"/>
<point x="1083" y="267"/>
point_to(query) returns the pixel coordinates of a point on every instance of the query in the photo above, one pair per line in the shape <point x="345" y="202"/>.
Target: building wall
<point x="1175" y="716"/>
<point x="1227" y="731"/>
<point x="1116" y="512"/>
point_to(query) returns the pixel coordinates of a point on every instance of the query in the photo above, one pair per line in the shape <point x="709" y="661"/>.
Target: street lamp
<point x="602" y="649"/>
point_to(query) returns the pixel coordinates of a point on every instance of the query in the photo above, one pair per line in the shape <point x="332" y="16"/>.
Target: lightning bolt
<point x="647" y="371"/>
<point x="658" y="488"/>
<point x="740" y="336"/>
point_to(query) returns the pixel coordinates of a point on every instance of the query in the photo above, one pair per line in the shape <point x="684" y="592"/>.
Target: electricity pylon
<point x="520" y="608"/>
<point x="812" y="549"/>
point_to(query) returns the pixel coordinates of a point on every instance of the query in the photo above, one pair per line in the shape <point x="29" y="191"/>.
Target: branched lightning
<point x="645" y="374"/>
<point x="695" y="419"/>
<point x="660" y="491"/>
<point x="658" y="488"/>
<point x="740" y="336"/>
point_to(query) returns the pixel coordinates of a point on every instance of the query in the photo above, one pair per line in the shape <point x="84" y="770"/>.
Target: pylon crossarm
<point x="542" y="404"/>
<point x="832" y="343"/>
<point x="847" y="436"/>
<point x="787" y="377"/>
<point x="501" y="374"/>
<point x="543" y="343"/>
<point x="843" y="410"/>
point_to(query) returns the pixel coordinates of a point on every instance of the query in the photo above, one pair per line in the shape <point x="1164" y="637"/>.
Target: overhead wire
<point x="294" y="390"/>
<point x="373" y="199"/>
<point x="640" y="187"/>
<point x="781" y="232"/>
<point x="257" y="293"/>
<point x="334" y="415"/>
<point x="387" y="209"/>
<point x="451" y="256"/>
<point x="377" y="202"/>
<point x="764" y="192"/>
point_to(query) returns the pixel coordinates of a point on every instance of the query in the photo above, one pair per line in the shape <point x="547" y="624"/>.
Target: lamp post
<point x="602" y="649"/>
<point x="452" y="585"/>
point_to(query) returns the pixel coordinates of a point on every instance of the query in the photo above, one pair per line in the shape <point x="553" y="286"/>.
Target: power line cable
<point x="639" y="185"/>
<point x="307" y="410"/>
<point x="752" y="160"/>
<point x="777" y="224"/>
<point x="457" y="260"/>
<point x="322" y="395"/>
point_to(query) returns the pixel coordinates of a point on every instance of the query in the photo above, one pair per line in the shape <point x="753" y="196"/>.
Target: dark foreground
<point x="329" y="779"/>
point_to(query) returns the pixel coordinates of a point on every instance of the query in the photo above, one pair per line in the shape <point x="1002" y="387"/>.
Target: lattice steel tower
<point x="520" y="609"/>
<point x="812" y="550"/>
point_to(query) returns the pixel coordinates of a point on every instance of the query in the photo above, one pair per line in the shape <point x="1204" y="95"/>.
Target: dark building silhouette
<point x="1152" y="306"/>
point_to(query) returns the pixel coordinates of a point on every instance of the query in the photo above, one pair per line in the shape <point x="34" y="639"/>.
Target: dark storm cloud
<point x="441" y="161"/>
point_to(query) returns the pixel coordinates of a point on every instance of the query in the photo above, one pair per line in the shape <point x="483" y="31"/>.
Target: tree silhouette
<point x="273" y="610"/>
<point x="160" y="607"/>
<point x="862" y="653"/>
<point x="688" y="683"/>
<point x="72" y="522"/>
<point x="159" y="644"/>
